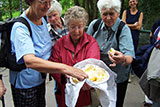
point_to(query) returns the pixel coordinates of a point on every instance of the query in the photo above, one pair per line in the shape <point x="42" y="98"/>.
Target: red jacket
<point x="62" y="52"/>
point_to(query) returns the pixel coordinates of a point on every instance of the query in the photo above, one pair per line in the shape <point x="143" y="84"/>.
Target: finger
<point x="111" y="59"/>
<point x="112" y="65"/>
<point x="81" y="75"/>
<point x="67" y="76"/>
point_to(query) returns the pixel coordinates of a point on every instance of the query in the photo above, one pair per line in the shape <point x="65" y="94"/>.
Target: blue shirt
<point x="106" y="39"/>
<point x="22" y="43"/>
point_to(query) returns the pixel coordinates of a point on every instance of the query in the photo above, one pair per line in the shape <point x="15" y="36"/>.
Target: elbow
<point x="28" y="64"/>
<point x="29" y="61"/>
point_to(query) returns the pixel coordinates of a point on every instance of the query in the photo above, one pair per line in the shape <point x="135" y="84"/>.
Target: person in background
<point x="148" y="102"/>
<point x="71" y="49"/>
<point x="133" y="18"/>
<point x="157" y="32"/>
<point x="2" y="88"/>
<point x="28" y="85"/>
<point x="105" y="35"/>
<point x="55" y="25"/>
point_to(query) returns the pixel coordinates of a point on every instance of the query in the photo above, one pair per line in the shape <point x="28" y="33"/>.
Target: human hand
<point x="2" y="89"/>
<point x="116" y="58"/>
<point x="74" y="72"/>
<point x="136" y="23"/>
<point x="57" y="24"/>
<point x="158" y="46"/>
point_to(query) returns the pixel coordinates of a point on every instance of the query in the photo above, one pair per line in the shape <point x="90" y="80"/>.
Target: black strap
<point x="96" y="25"/>
<point x="25" y="22"/>
<point x="121" y="24"/>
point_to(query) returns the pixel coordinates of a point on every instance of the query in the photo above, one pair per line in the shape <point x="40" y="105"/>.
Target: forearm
<point x="132" y="26"/>
<point x="137" y="25"/>
<point x="43" y="65"/>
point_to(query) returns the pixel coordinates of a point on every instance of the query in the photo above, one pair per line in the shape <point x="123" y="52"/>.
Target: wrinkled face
<point x="109" y="17"/>
<point x="40" y="7"/>
<point x="133" y="3"/>
<point x="54" y="17"/>
<point x="76" y="29"/>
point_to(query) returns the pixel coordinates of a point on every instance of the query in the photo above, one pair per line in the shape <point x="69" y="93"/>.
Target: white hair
<point x="108" y="4"/>
<point x="55" y="6"/>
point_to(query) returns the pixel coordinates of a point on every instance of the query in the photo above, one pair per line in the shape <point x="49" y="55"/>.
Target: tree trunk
<point x="76" y="2"/>
<point x="122" y="7"/>
<point x="91" y="8"/>
<point x="10" y="8"/>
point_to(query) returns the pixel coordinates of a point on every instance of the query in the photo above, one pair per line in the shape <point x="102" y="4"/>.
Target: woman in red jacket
<point x="73" y="48"/>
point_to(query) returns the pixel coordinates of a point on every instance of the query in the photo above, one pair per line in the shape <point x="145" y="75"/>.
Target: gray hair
<point x="78" y="13"/>
<point x="55" y="6"/>
<point x="108" y="4"/>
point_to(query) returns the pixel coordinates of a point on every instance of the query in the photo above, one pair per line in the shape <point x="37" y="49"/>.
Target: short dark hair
<point x="28" y="2"/>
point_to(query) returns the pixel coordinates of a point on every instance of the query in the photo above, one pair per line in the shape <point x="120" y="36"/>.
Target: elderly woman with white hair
<point x="71" y="49"/>
<point x="56" y="25"/>
<point x="111" y="32"/>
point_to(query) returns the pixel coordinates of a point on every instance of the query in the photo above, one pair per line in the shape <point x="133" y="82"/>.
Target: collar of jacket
<point x="68" y="44"/>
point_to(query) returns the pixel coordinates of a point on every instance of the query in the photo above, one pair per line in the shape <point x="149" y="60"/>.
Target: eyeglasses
<point x="44" y="2"/>
<point x="81" y="27"/>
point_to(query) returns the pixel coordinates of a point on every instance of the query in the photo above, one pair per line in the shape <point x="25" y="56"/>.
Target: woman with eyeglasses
<point x="71" y="49"/>
<point x="28" y="85"/>
<point x="106" y="36"/>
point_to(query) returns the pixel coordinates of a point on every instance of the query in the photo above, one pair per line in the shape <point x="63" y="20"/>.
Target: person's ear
<point x="118" y="14"/>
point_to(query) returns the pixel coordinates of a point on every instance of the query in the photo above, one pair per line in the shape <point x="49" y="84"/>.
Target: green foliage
<point x="151" y="12"/>
<point x="10" y="8"/>
<point x="68" y="4"/>
<point x="150" y="9"/>
<point x="15" y="14"/>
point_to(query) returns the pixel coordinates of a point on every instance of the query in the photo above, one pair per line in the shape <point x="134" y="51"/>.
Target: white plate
<point x="96" y="67"/>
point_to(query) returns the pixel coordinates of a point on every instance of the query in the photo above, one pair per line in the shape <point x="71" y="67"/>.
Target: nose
<point x="108" y="17"/>
<point x="48" y="5"/>
<point x="76" y="30"/>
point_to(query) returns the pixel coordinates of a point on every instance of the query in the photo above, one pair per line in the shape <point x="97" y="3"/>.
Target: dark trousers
<point x="31" y="97"/>
<point x="121" y="92"/>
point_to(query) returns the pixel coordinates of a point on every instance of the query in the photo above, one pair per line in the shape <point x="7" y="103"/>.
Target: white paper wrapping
<point x="108" y="89"/>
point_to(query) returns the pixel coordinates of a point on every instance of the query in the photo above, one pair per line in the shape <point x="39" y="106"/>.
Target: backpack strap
<point x="121" y="24"/>
<point x="25" y="22"/>
<point x="96" y="25"/>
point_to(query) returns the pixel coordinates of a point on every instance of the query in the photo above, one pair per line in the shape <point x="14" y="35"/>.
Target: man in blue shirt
<point x="120" y="61"/>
